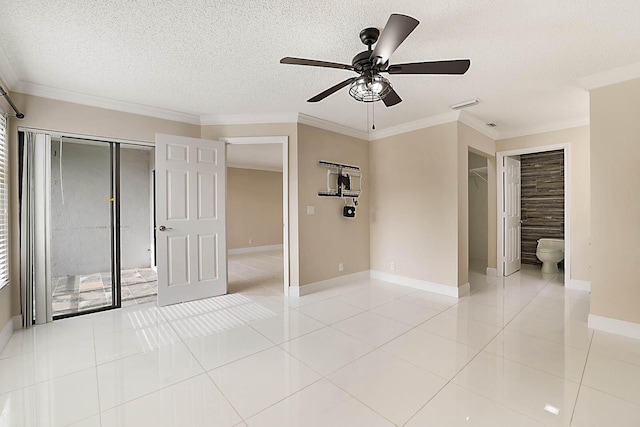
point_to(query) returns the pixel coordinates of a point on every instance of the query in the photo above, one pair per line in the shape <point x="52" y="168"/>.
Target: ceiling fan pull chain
<point x="373" y="106"/>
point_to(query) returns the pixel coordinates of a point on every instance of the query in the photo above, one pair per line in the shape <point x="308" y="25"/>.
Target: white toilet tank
<point x="551" y="244"/>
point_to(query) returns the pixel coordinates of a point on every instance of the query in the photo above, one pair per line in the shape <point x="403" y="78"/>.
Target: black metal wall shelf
<point x="342" y="180"/>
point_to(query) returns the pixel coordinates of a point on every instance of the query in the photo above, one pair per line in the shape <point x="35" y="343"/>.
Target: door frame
<point x="500" y="155"/>
<point x="284" y="140"/>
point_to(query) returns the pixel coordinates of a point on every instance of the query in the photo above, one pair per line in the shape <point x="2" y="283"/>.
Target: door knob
<point x="163" y="228"/>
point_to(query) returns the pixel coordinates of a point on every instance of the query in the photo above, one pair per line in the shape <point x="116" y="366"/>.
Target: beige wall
<point x="578" y="140"/>
<point x="414" y="201"/>
<point x="327" y="238"/>
<point x="47" y="114"/>
<point x="615" y="201"/>
<point x="254" y="208"/>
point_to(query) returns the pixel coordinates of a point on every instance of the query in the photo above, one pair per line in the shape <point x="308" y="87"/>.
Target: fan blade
<point x="331" y="90"/>
<point x="457" y="66"/>
<point x="391" y="99"/>
<point x="314" y="63"/>
<point x="395" y="32"/>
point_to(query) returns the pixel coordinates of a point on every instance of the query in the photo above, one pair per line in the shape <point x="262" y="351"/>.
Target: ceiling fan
<point x="370" y="85"/>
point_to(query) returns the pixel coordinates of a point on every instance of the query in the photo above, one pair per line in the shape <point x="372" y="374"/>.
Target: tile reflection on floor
<point x="515" y="352"/>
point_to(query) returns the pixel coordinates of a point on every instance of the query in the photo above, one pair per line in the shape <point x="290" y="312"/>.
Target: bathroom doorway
<point x="543" y="181"/>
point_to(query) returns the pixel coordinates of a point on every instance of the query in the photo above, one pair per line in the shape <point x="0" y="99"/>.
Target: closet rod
<point x="6" y="96"/>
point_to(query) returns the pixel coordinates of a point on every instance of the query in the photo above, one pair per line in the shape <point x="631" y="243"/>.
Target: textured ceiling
<point x="221" y="58"/>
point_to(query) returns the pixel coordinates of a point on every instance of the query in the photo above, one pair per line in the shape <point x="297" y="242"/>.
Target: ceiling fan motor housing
<point x="362" y="61"/>
<point x="369" y="35"/>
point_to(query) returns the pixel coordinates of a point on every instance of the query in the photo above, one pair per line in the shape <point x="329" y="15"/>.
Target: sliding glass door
<point x="86" y="225"/>
<point x="84" y="230"/>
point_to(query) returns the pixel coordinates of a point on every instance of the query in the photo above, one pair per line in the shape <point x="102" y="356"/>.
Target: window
<point x="4" y="204"/>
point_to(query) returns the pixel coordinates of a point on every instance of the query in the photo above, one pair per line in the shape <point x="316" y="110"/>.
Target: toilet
<point x="550" y="252"/>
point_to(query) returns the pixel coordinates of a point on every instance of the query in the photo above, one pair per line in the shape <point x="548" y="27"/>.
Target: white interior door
<point x="190" y="218"/>
<point x="511" y="215"/>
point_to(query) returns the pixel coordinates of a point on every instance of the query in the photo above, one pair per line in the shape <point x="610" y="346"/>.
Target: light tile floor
<point x="516" y="352"/>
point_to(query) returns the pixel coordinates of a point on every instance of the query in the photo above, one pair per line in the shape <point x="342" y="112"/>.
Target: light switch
<point x="311" y="210"/>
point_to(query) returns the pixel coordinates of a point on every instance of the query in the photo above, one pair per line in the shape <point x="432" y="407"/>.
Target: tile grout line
<point x="206" y="373"/>
<point x="584" y="369"/>
<point x="380" y="348"/>
<point x="385" y="343"/>
<point x="95" y="365"/>
<point x="474" y="357"/>
<point x="322" y="376"/>
<point x="95" y="359"/>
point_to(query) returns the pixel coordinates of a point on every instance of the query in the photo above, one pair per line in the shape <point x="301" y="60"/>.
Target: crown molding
<point x="609" y="77"/>
<point x="107" y="103"/>
<point x="9" y="76"/>
<point x="247" y="119"/>
<point x="256" y="139"/>
<point x="332" y="127"/>
<point x="7" y="73"/>
<point x="475" y="123"/>
<point x="427" y="122"/>
<point x="547" y="127"/>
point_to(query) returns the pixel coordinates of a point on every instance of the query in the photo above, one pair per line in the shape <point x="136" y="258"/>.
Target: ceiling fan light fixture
<point x="370" y="88"/>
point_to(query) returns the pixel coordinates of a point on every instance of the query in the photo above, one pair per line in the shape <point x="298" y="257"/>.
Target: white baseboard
<point x="579" y="285"/>
<point x="254" y="249"/>
<point x="7" y="331"/>
<point x="298" y="291"/>
<point x="437" y="288"/>
<point x="614" y="326"/>
<point x="493" y="272"/>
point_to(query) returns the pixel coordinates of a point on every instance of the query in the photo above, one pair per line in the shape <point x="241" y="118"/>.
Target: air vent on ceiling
<point x="465" y="104"/>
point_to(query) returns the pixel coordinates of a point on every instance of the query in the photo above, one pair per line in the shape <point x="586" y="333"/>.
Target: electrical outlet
<point x="250" y="241"/>
<point x="393" y="266"/>
<point x="340" y="267"/>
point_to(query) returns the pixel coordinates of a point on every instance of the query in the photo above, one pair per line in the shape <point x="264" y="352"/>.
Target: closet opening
<point x="478" y="213"/>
